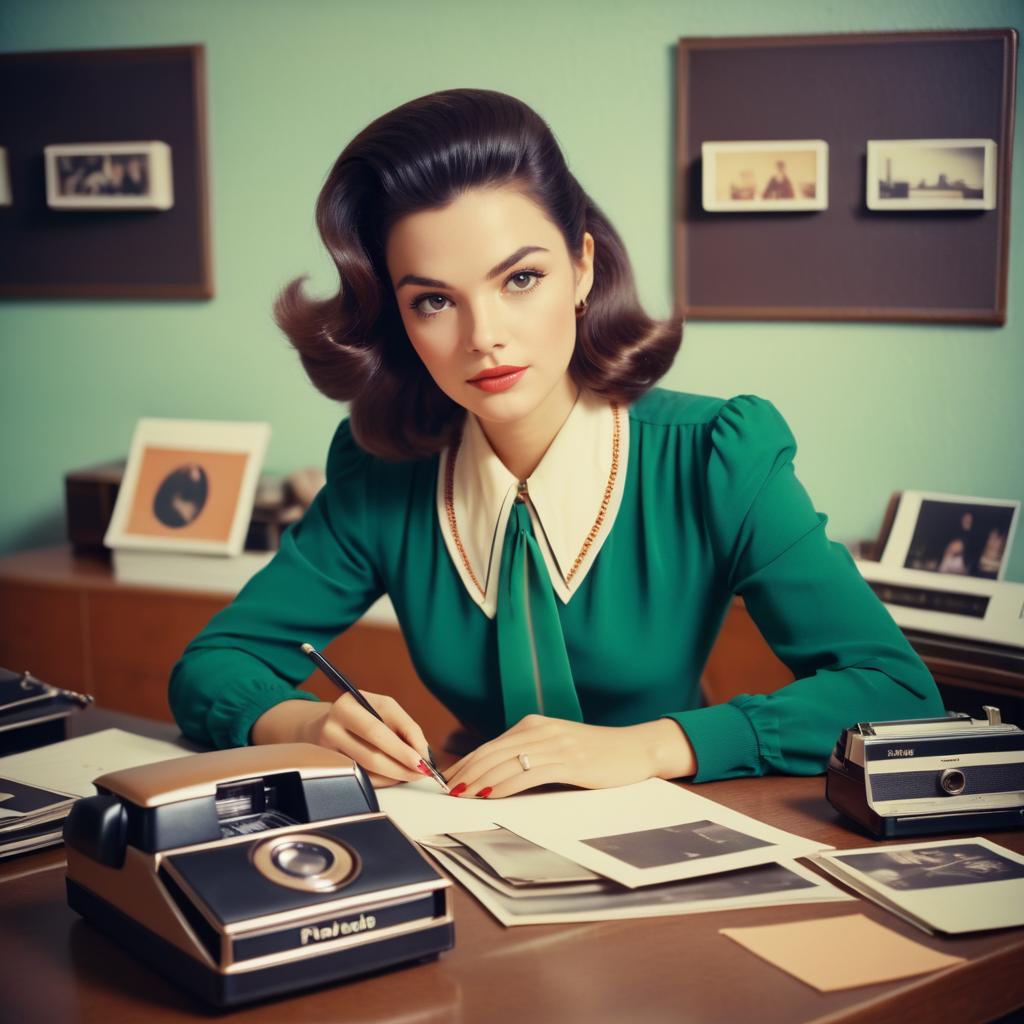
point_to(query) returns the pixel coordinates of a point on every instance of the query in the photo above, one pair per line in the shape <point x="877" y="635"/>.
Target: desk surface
<point x="679" y="969"/>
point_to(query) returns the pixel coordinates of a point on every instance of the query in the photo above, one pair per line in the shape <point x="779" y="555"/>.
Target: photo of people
<point x="930" y="868"/>
<point x="659" y="846"/>
<point x="931" y="174"/>
<point x="770" y="176"/>
<point x="109" y="175"/>
<point x="125" y="174"/>
<point x="961" y="539"/>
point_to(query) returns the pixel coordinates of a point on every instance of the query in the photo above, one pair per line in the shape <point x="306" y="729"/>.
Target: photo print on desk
<point x="962" y="864"/>
<point x="656" y="847"/>
<point x="659" y="825"/>
<point x="189" y="486"/>
<point x="947" y="885"/>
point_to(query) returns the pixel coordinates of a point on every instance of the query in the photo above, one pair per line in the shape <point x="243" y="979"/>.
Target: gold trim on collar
<point x="595" y="529"/>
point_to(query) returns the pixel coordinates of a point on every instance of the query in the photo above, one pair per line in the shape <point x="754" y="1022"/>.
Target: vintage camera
<point x="247" y="873"/>
<point x="929" y="775"/>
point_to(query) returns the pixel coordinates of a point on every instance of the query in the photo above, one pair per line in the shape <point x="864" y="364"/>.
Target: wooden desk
<point x="680" y="969"/>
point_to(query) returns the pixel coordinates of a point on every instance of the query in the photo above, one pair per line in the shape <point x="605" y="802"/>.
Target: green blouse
<point x="710" y="508"/>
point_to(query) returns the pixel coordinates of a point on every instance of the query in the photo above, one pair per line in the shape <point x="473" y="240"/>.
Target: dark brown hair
<point x="423" y="155"/>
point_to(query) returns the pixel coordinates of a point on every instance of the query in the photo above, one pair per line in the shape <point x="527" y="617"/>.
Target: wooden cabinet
<point x="66" y="618"/>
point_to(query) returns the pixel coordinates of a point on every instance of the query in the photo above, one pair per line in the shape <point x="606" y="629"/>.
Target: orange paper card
<point x="840" y="952"/>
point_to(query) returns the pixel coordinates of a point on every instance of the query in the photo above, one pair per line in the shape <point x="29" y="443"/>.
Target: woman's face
<point x="487" y="291"/>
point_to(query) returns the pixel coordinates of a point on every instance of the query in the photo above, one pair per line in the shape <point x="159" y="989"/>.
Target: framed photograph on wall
<point x="107" y="157"/>
<point x="109" y="176"/>
<point x="845" y="257"/>
<point x="189" y="486"/>
<point x="931" y="174"/>
<point x="765" y="177"/>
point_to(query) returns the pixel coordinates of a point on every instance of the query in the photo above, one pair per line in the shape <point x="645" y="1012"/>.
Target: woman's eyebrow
<point x="433" y="282"/>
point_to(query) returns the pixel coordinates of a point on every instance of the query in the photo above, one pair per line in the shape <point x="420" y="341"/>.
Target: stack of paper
<point x="651" y="849"/>
<point x="38" y="787"/>
<point x="30" y="817"/>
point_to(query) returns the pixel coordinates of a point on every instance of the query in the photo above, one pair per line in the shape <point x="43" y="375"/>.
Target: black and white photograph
<point x="930" y="868"/>
<point x="109" y="175"/>
<point x="5" y="179"/>
<point x="769" y="177"/>
<point x="952" y="534"/>
<point x="946" y="885"/>
<point x="931" y="174"/>
<point x="656" y="847"/>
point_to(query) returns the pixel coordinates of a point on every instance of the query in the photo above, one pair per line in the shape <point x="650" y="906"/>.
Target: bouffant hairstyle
<point x="420" y="156"/>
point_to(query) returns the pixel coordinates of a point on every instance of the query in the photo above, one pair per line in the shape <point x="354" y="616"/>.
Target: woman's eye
<point x="525" y="280"/>
<point x="429" y="305"/>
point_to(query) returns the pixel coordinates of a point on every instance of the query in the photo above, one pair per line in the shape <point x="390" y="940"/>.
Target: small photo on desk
<point x="948" y="885"/>
<point x="655" y="847"/>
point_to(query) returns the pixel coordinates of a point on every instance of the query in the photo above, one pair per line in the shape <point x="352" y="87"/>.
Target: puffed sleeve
<point x="322" y="579"/>
<point x="850" y="659"/>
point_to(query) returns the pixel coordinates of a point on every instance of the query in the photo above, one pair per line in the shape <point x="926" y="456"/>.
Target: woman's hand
<point x="389" y="751"/>
<point x="590" y="756"/>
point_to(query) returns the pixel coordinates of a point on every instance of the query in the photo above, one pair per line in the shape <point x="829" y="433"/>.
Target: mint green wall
<point x="875" y="407"/>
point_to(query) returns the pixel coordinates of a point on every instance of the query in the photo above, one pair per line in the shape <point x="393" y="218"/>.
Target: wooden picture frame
<point x="82" y="98"/>
<point x="846" y="262"/>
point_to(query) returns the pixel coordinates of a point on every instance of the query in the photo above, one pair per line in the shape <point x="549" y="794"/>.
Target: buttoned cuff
<point x="723" y="741"/>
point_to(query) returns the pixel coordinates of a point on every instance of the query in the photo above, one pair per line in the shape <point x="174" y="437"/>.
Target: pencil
<point x="343" y="684"/>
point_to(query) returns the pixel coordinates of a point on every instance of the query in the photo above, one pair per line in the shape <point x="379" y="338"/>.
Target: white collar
<point x="573" y="499"/>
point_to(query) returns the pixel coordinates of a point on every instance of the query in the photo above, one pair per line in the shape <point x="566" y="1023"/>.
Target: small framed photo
<point x="931" y="174"/>
<point x="109" y="176"/>
<point x="765" y="177"/>
<point x="188" y="486"/>
<point x="5" y="179"/>
<point x="952" y="534"/>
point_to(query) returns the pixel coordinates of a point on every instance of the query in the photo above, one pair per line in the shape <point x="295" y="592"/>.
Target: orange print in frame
<point x="189" y="486"/>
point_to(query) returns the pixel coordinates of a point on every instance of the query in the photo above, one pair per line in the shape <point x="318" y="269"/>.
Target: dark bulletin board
<point x="846" y="262"/>
<point x="105" y="96"/>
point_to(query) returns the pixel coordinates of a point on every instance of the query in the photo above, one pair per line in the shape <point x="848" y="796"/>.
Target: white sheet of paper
<point x="958" y="885"/>
<point x="641" y="854"/>
<point x="420" y="809"/>
<point x="71" y="765"/>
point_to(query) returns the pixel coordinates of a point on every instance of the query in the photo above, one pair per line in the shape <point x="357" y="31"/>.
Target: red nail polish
<point x="485" y="792"/>
<point x="422" y="768"/>
<point x="458" y="790"/>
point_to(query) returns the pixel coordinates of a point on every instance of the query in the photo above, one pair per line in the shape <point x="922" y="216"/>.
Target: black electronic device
<point x="34" y="713"/>
<point x="929" y="776"/>
<point x="247" y="873"/>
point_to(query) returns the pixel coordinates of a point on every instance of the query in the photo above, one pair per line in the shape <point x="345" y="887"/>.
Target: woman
<point x="560" y="541"/>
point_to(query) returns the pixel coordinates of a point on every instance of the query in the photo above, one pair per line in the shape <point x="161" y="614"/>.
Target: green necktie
<point x="535" y="672"/>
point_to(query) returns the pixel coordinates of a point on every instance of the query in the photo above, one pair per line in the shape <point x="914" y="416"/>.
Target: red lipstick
<point x="498" y="378"/>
